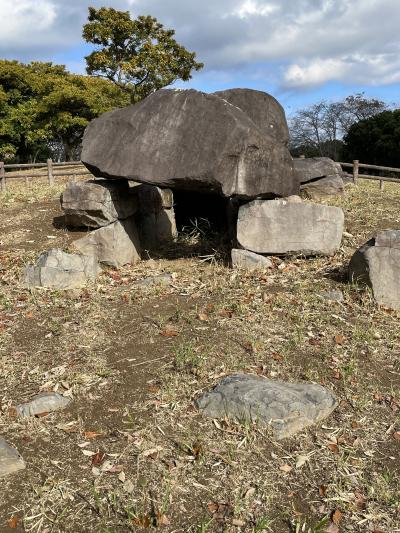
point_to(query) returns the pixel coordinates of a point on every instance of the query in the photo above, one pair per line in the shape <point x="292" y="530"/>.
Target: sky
<point x="300" y="51"/>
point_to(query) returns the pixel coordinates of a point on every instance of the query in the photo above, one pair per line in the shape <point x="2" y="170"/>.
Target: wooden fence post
<point x="50" y="171"/>
<point x="356" y="167"/>
<point x="381" y="185"/>
<point x="2" y="176"/>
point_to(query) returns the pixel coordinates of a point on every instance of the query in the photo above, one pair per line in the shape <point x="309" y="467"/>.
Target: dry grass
<point x="133" y="359"/>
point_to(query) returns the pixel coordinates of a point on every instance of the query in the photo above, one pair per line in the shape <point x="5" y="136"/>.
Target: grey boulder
<point x="10" y="459"/>
<point x="249" y="260"/>
<point x="281" y="227"/>
<point x="115" y="245"/>
<point x="186" y="139"/>
<point x="286" y="407"/>
<point x="45" y="402"/>
<point x="97" y="203"/>
<point x="320" y="177"/>
<point x="56" y="269"/>
<point x="323" y="188"/>
<point x="377" y="264"/>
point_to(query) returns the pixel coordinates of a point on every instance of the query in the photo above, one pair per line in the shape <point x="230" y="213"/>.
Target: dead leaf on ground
<point x="142" y="521"/>
<point x="334" y="448"/>
<point x="286" y="468"/>
<point x="162" y="520"/>
<point x="220" y="511"/>
<point x="169" y="332"/>
<point x="13" y="522"/>
<point x="98" y="458"/>
<point x="88" y="435"/>
<point x="339" y="339"/>
<point x="336" y="516"/>
<point x="202" y="316"/>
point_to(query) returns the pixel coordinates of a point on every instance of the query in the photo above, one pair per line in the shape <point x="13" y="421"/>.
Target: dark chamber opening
<point x="202" y="210"/>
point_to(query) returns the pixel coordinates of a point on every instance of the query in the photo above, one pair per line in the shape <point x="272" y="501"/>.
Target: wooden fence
<point x="49" y="169"/>
<point x="68" y="168"/>
<point x="356" y="165"/>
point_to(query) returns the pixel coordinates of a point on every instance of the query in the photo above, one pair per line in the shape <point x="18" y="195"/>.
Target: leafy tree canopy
<point x="139" y="55"/>
<point x="42" y="105"/>
<point x="375" y="140"/>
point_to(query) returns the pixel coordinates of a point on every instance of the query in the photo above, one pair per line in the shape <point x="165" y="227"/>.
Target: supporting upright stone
<point x="115" y="245"/>
<point x="156" y="217"/>
<point x="285" y="227"/>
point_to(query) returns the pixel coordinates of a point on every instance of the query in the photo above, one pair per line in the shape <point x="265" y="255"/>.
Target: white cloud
<point x="251" y="7"/>
<point x="23" y="18"/>
<point x="297" y="43"/>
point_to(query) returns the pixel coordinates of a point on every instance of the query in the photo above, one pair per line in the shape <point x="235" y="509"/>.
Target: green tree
<point x="375" y="140"/>
<point x="42" y="105"/>
<point x="139" y="55"/>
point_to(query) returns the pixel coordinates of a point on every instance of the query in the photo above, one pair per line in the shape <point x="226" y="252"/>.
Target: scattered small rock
<point x="286" y="407"/>
<point x="161" y="279"/>
<point x="10" y="460"/>
<point x="249" y="260"/>
<point x="377" y="264"/>
<point x="45" y="402"/>
<point x="56" y="269"/>
<point x="332" y="296"/>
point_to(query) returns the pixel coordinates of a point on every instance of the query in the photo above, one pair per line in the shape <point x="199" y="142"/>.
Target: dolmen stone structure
<point x="377" y="264"/>
<point x="320" y="177"/>
<point x="233" y="144"/>
<point x="191" y="140"/>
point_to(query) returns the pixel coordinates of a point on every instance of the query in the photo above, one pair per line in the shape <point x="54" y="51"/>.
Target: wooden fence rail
<point x="50" y="168"/>
<point x="356" y="165"/>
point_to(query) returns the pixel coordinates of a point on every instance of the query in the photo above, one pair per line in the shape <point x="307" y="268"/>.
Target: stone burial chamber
<point x="183" y="155"/>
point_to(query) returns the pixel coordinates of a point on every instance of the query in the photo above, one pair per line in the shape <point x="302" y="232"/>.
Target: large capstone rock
<point x="282" y="226"/>
<point x="45" y="402"/>
<point x="97" y="203"/>
<point x="10" y="459"/>
<point x="377" y="264"/>
<point x="115" y="245"/>
<point x="320" y="177"/>
<point x="192" y="141"/>
<point x="263" y="109"/>
<point x="286" y="407"/>
<point x="56" y="269"/>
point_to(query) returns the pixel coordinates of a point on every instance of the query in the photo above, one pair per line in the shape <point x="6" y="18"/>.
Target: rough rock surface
<point x="10" y="459"/>
<point x="157" y="228"/>
<point x="377" y="264"/>
<point x="280" y="227"/>
<point x="262" y="108"/>
<point x="57" y="269"/>
<point x="45" y="402"/>
<point x="286" y="407"/>
<point x="94" y="204"/>
<point x="310" y="168"/>
<point x="320" y="177"/>
<point x="323" y="188"/>
<point x="190" y="140"/>
<point x="249" y="260"/>
<point x="115" y="245"/>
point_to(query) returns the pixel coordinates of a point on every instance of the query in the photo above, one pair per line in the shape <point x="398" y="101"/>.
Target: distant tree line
<point x="354" y="128"/>
<point x="44" y="109"/>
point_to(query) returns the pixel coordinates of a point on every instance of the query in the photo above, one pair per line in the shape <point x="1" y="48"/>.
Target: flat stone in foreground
<point x="10" y="459"/>
<point x="249" y="260"/>
<point x="56" y="269"/>
<point x="281" y="227"/>
<point x="377" y="264"/>
<point x="45" y="402"/>
<point x="115" y="245"/>
<point x="287" y="407"/>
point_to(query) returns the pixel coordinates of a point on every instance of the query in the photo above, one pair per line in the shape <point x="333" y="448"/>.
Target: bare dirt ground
<point x="131" y="452"/>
